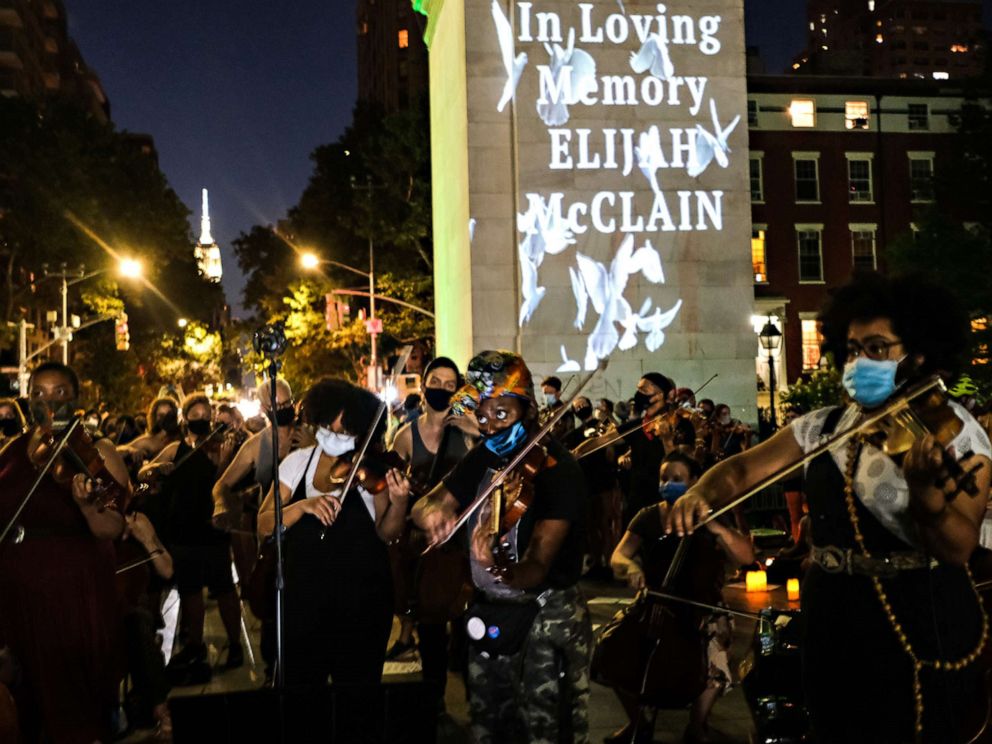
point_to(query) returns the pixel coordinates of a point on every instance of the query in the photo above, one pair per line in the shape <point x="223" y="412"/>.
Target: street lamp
<point x="182" y="322"/>
<point x="129" y="268"/>
<point x="771" y="339"/>
<point x="310" y="261"/>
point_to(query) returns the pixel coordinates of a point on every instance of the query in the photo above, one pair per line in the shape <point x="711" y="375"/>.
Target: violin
<point x="79" y="454"/>
<point x="371" y="470"/>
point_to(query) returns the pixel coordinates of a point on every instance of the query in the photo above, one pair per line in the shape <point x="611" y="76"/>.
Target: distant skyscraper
<point x="894" y="38"/>
<point x="207" y="252"/>
<point x="392" y="56"/>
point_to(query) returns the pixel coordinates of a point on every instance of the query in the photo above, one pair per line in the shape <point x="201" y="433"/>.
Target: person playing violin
<point x="163" y="429"/>
<point x="339" y="596"/>
<point x="893" y="626"/>
<point x="59" y="614"/>
<point x="647" y="448"/>
<point x="201" y="552"/>
<point x="12" y="421"/>
<point x="531" y="687"/>
<point x="432" y="444"/>
<point x="633" y="560"/>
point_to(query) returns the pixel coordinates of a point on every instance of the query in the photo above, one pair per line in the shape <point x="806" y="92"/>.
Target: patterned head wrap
<point x="493" y="374"/>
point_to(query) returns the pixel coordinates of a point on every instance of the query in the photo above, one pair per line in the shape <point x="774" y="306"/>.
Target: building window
<point x="403" y="39"/>
<point x="863" y="246"/>
<point x="757" y="180"/>
<point x="856" y="115"/>
<point x="919" y="116"/>
<point x="810" y="253"/>
<point x="752" y="113"/>
<point x="859" y="187"/>
<point x="807" y="180"/>
<point x="921" y="177"/>
<point x="758" y="261"/>
<point x="803" y="112"/>
<point x="811" y="344"/>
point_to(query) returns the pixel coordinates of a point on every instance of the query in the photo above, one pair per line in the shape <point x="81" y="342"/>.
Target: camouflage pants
<point x="540" y="695"/>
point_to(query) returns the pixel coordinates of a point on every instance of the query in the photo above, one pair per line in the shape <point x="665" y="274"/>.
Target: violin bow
<point x="618" y="435"/>
<point x="182" y="460"/>
<point x="139" y="561"/>
<point x="37" y="481"/>
<point x="519" y="457"/>
<point x="837" y="440"/>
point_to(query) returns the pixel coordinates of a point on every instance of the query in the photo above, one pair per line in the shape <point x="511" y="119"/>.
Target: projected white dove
<point x="649" y="156"/>
<point x="573" y="74"/>
<point x="592" y="281"/>
<point x="543" y="233"/>
<point x="712" y="146"/>
<point x="653" y="56"/>
<point x="514" y="65"/>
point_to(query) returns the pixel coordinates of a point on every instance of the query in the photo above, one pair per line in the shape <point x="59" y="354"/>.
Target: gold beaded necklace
<point x="853" y="451"/>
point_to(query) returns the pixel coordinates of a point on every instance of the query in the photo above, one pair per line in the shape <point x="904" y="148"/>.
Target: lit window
<point x="757" y="180"/>
<point x="810" y="253"/>
<point x="811" y="344"/>
<point x="859" y="180"/>
<point x="921" y="177"/>
<point x="863" y="246"/>
<point x="959" y="48"/>
<point x="879" y="39"/>
<point x="856" y="114"/>
<point x="942" y="76"/>
<point x="919" y="116"/>
<point x="758" y="261"/>
<point x="807" y="180"/>
<point x="803" y="113"/>
<point x="404" y="38"/>
<point x="980" y="325"/>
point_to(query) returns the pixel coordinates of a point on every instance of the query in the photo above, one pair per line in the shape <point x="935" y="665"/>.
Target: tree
<point x="74" y="190"/>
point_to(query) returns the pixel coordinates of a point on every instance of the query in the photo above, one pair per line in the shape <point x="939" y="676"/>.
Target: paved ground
<point x="730" y="721"/>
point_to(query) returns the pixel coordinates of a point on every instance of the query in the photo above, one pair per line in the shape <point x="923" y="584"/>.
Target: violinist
<point x="893" y="627"/>
<point x="12" y="422"/>
<point x="636" y="561"/>
<point x="60" y="615"/>
<point x="519" y="697"/>
<point x="551" y="390"/>
<point x="432" y="444"/>
<point x="339" y="600"/>
<point x="163" y="420"/>
<point x="647" y="449"/>
<point x="201" y="552"/>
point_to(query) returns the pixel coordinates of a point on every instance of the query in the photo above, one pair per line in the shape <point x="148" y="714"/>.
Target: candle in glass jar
<point x="756" y="581"/>
<point x="792" y="588"/>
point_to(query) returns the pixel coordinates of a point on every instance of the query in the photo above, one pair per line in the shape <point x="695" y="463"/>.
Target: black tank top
<point x="188" y="500"/>
<point x="452" y="449"/>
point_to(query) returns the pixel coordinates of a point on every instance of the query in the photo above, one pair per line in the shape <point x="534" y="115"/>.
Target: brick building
<point x="392" y="56"/>
<point x="839" y="168"/>
<point x="38" y="58"/>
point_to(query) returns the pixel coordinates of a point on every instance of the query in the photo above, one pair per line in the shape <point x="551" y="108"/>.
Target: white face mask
<point x="334" y="444"/>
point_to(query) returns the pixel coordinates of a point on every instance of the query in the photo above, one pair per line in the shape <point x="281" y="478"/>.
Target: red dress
<point x="58" y="609"/>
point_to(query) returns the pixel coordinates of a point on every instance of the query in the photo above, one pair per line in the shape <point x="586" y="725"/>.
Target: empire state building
<point x="207" y="252"/>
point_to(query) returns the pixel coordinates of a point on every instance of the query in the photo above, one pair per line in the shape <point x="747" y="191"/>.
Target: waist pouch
<point x="500" y="628"/>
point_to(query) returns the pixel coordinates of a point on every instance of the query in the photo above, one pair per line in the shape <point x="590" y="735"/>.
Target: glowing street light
<point x="130" y="268"/>
<point x="309" y="261"/>
<point x="182" y="322"/>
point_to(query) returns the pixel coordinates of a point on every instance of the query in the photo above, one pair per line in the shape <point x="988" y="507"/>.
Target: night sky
<point x="237" y="95"/>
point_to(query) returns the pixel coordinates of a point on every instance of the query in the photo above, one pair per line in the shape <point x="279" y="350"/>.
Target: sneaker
<point x="399" y="650"/>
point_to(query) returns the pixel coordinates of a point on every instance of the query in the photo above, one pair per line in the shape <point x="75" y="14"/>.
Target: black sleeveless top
<point x="189" y="504"/>
<point x="422" y="461"/>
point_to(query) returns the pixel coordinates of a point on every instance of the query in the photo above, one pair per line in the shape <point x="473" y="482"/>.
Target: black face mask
<point x="640" y="402"/>
<point x="438" y="398"/>
<point x="285" y="416"/>
<point x="167" y="422"/>
<point x="583" y="412"/>
<point x="44" y="412"/>
<point x="198" y="427"/>
<point x="10" y="426"/>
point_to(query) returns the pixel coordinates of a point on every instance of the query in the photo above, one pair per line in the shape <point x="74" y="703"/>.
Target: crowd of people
<point x="481" y="562"/>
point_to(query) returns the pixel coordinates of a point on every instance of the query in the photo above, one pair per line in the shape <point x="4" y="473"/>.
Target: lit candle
<point x="756" y="581"/>
<point x="792" y="587"/>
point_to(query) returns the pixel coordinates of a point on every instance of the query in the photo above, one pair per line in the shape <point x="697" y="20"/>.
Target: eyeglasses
<point x="876" y="349"/>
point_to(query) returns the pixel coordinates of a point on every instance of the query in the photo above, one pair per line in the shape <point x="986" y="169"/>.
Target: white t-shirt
<point x="879" y="483"/>
<point x="291" y="470"/>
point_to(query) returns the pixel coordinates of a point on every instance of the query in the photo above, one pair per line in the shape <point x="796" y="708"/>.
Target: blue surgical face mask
<point x="870" y="382"/>
<point x="506" y="441"/>
<point x="671" y="491"/>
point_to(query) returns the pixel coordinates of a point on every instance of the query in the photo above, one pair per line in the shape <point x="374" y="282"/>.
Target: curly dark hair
<point x="330" y="397"/>
<point x="195" y="399"/>
<point x="691" y="464"/>
<point x="925" y="315"/>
